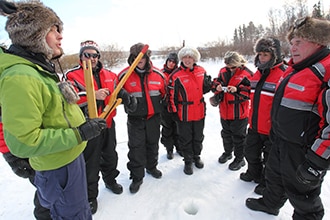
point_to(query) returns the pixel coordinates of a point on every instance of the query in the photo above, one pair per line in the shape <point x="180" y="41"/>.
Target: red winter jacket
<point x="107" y="79"/>
<point x="186" y="89"/>
<point x="149" y="90"/>
<point x="235" y="105"/>
<point x="263" y="87"/>
<point x="300" y="112"/>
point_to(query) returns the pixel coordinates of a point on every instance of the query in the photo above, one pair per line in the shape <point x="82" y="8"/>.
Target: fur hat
<point x="29" y="24"/>
<point x="311" y="29"/>
<point x="173" y="56"/>
<point x="189" y="51"/>
<point x="88" y="44"/>
<point x="134" y="52"/>
<point x="271" y="45"/>
<point x="234" y="59"/>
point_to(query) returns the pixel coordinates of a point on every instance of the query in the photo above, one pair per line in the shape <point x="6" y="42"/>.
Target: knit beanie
<point x="189" y="51"/>
<point x="88" y="44"/>
<point x="234" y="59"/>
<point x="28" y="23"/>
<point x="173" y="56"/>
<point x="311" y="29"/>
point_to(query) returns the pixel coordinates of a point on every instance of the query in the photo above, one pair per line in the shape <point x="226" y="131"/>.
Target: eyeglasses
<point x="299" y="22"/>
<point x="90" y="55"/>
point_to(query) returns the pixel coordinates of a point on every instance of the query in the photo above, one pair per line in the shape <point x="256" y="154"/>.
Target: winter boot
<point x="259" y="189"/>
<point x="259" y="205"/>
<point x="225" y="157"/>
<point x="170" y="154"/>
<point x="236" y="164"/>
<point x="114" y="187"/>
<point x="198" y="162"/>
<point x="155" y="173"/>
<point x="188" y="168"/>
<point x="135" y="185"/>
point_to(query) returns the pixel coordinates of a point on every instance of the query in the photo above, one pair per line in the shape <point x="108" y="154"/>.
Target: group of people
<point x="276" y="118"/>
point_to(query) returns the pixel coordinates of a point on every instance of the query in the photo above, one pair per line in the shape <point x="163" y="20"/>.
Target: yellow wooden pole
<point x="89" y="84"/>
<point x="114" y="101"/>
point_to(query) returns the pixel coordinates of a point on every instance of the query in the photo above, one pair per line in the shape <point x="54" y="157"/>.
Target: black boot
<point x="198" y="162"/>
<point x="236" y="164"/>
<point x="170" y="154"/>
<point x="225" y="157"/>
<point x="114" y="187"/>
<point x="188" y="168"/>
<point x="155" y="173"/>
<point x="259" y="205"/>
<point x="247" y="177"/>
<point x="259" y="189"/>
<point x="135" y="185"/>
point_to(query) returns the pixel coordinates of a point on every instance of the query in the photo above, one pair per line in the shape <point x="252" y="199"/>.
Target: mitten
<point x="129" y="101"/>
<point x="20" y="166"/>
<point x="215" y="100"/>
<point x="309" y="174"/>
<point x="91" y="128"/>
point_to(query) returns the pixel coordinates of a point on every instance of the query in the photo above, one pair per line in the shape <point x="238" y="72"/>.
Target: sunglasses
<point x="232" y="68"/>
<point x="91" y="55"/>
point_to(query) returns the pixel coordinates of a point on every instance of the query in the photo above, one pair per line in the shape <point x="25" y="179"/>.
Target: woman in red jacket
<point x="187" y="84"/>
<point x="270" y="66"/>
<point x="233" y="94"/>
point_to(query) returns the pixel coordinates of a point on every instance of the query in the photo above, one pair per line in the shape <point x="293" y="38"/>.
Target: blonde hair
<point x="234" y="59"/>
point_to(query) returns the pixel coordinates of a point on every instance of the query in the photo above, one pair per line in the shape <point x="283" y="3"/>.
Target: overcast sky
<point x="155" y="22"/>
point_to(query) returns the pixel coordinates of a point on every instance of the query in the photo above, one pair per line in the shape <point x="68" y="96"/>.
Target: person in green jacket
<point x="41" y="120"/>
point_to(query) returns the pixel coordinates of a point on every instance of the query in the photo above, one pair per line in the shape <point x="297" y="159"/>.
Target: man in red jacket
<point x="300" y="152"/>
<point x="100" y="154"/>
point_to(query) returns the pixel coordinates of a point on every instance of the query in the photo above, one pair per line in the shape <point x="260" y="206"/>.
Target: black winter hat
<point x="173" y="56"/>
<point x="271" y="45"/>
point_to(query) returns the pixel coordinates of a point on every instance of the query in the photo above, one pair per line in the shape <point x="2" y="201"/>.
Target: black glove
<point x="215" y="100"/>
<point x="7" y="7"/>
<point x="129" y="101"/>
<point x="91" y="128"/>
<point x="20" y="166"/>
<point x="308" y="174"/>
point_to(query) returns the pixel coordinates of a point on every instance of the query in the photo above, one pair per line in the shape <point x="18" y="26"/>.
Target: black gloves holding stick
<point x="129" y="101"/>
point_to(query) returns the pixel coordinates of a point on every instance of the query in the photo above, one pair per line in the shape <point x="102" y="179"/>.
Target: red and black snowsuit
<point x="100" y="153"/>
<point x="169" y="132"/>
<point x="143" y="125"/>
<point x="234" y="109"/>
<point x="185" y="94"/>
<point x="263" y="85"/>
<point x="300" y="131"/>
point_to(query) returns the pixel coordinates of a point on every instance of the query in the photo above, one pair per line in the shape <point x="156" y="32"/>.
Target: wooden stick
<point x="89" y="84"/>
<point x="114" y="101"/>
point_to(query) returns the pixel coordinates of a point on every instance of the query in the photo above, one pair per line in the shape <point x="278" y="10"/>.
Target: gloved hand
<point x="91" y="128"/>
<point x="129" y="101"/>
<point x="309" y="174"/>
<point x="20" y="166"/>
<point x="215" y="100"/>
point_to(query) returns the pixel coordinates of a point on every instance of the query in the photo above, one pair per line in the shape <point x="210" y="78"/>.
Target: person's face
<point x="53" y="39"/>
<point x="170" y="64"/>
<point x="301" y="49"/>
<point x="90" y="54"/>
<point x="188" y="61"/>
<point x="142" y="63"/>
<point x="264" y="57"/>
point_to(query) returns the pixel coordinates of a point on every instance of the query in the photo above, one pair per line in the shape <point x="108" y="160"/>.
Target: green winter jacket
<point x="38" y="123"/>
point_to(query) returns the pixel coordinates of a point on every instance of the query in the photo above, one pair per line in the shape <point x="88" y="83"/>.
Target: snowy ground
<point x="212" y="193"/>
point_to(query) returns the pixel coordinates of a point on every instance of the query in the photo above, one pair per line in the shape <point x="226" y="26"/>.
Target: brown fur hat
<point x="271" y="45"/>
<point x="29" y="25"/>
<point x="311" y="29"/>
<point x="134" y="52"/>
